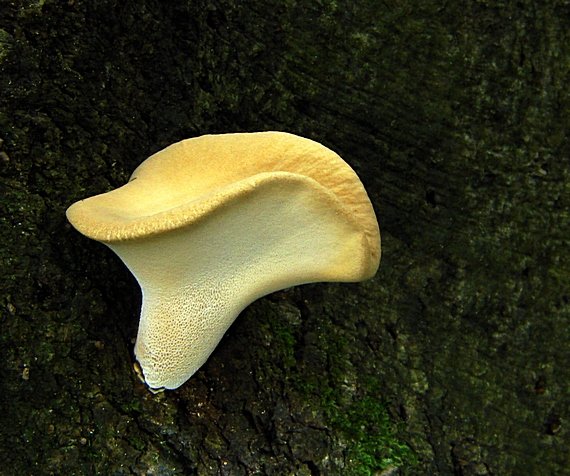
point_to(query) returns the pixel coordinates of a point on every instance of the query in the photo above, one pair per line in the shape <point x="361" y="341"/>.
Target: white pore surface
<point x="196" y="280"/>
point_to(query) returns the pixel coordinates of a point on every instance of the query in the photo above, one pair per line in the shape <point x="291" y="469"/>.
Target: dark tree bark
<point x="453" y="360"/>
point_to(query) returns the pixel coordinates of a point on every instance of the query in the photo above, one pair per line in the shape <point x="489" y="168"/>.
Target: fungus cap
<point x="210" y="224"/>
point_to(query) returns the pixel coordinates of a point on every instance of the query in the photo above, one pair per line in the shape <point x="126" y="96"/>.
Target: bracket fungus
<point x="210" y="224"/>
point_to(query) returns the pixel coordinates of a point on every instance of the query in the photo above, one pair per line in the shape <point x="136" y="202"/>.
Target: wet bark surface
<point x="453" y="360"/>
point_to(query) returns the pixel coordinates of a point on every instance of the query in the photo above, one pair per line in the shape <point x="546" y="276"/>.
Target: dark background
<point x="453" y="360"/>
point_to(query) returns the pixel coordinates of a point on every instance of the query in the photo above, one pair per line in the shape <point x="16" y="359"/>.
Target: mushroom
<point x="210" y="224"/>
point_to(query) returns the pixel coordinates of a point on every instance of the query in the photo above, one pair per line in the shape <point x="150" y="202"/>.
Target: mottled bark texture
<point x="453" y="360"/>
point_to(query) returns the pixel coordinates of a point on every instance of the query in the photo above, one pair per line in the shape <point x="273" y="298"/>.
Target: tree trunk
<point x="453" y="360"/>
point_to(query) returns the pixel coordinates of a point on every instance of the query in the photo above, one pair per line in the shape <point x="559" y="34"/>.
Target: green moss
<point x="320" y="372"/>
<point x="354" y="410"/>
<point x="365" y="424"/>
<point x="373" y="441"/>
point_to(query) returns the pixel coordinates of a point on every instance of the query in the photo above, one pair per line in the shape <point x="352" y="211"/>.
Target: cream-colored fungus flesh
<point x="210" y="224"/>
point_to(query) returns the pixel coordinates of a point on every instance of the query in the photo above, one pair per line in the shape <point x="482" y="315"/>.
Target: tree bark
<point x="453" y="360"/>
